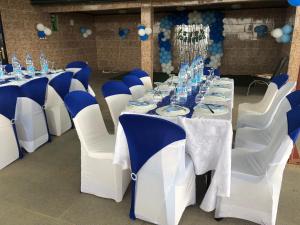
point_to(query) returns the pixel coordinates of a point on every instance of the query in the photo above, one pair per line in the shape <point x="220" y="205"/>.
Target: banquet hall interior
<point x="149" y="112"/>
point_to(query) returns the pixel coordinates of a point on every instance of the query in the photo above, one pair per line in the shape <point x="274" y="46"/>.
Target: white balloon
<point x="85" y="35"/>
<point x="40" y="27"/>
<point x="48" y="31"/>
<point x="277" y="33"/>
<point x="141" y="32"/>
<point x="148" y="30"/>
<point x="89" y="31"/>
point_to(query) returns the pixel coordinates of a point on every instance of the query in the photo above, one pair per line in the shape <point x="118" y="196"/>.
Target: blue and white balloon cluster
<point x="215" y="22"/>
<point x="43" y="31"/>
<point x="85" y="32"/>
<point x="294" y="2"/>
<point x="164" y="39"/>
<point x="144" y="32"/>
<point x="284" y="34"/>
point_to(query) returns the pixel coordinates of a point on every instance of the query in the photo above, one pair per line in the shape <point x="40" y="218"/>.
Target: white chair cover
<point x="165" y="178"/>
<point x="258" y="139"/>
<point x="256" y="180"/>
<point x="99" y="176"/>
<point x="57" y="115"/>
<point x="31" y="124"/>
<point x="9" y="151"/>
<point x="262" y="120"/>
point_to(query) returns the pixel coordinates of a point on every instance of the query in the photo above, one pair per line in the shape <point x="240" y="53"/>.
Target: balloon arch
<point x="215" y="49"/>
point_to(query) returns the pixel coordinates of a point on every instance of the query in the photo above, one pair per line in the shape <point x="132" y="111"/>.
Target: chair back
<point x="8" y="101"/>
<point x="135" y="86"/>
<point x="116" y="95"/>
<point x="76" y="64"/>
<point x="153" y="151"/>
<point x="61" y="83"/>
<point x="143" y="76"/>
<point x="280" y="80"/>
<point x="87" y="117"/>
<point x="35" y="90"/>
<point x="280" y="66"/>
<point x="83" y="76"/>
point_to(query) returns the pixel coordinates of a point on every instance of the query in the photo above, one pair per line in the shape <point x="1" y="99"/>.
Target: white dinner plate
<point x="140" y="106"/>
<point x="203" y="110"/>
<point x="172" y="111"/>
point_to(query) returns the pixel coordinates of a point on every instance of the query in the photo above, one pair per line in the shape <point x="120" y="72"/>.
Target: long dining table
<point x="208" y="136"/>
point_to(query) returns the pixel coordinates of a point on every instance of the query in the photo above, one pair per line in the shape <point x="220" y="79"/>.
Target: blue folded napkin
<point x="4" y="81"/>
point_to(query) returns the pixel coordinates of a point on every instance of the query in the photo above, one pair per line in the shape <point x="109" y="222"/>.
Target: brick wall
<point x="244" y="53"/>
<point x="19" y="19"/>
<point x="113" y="53"/>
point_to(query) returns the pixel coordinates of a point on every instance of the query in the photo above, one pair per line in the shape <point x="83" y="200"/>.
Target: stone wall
<point x="19" y="19"/>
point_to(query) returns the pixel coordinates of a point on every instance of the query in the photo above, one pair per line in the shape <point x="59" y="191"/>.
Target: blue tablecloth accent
<point x="190" y="103"/>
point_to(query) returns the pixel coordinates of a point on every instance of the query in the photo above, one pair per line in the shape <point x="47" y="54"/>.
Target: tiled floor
<point x="43" y="188"/>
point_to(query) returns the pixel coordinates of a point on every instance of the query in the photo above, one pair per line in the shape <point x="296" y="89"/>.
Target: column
<point x="147" y="18"/>
<point x="294" y="62"/>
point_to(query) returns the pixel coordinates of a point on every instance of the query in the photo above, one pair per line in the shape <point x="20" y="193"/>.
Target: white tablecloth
<point x="209" y="143"/>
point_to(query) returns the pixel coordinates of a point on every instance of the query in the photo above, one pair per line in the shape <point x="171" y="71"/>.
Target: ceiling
<point x="215" y="6"/>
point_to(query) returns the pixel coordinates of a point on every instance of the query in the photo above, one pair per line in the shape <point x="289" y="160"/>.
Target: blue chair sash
<point x="280" y="80"/>
<point x="145" y="137"/>
<point x="77" y="64"/>
<point x="138" y="73"/>
<point x="131" y="81"/>
<point x="293" y="118"/>
<point x="294" y="98"/>
<point x="83" y="76"/>
<point x="61" y="83"/>
<point x="8" y="102"/>
<point x="76" y="101"/>
<point x="111" y="88"/>
<point x="36" y="90"/>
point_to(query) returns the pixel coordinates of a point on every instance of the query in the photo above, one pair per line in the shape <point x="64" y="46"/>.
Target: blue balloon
<point x="285" y="38"/>
<point x="287" y="29"/>
<point x="82" y="30"/>
<point x="144" y="38"/>
<point x="294" y="2"/>
<point x="141" y="27"/>
<point x="41" y="34"/>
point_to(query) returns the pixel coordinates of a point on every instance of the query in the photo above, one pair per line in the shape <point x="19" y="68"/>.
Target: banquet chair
<point x="263" y="105"/>
<point x="99" y="176"/>
<point x="135" y="86"/>
<point x="256" y="177"/>
<point x="80" y="81"/>
<point x="31" y="121"/>
<point x="258" y="139"/>
<point x="58" y="117"/>
<point x="117" y="95"/>
<point x="262" y="120"/>
<point x="10" y="149"/>
<point x="163" y="177"/>
<point x="143" y="76"/>
<point x="75" y="66"/>
<point x="265" y="79"/>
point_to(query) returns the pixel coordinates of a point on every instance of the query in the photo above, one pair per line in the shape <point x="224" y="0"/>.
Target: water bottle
<point x="44" y="64"/>
<point x="1" y="71"/>
<point x="29" y="65"/>
<point x="16" y="67"/>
